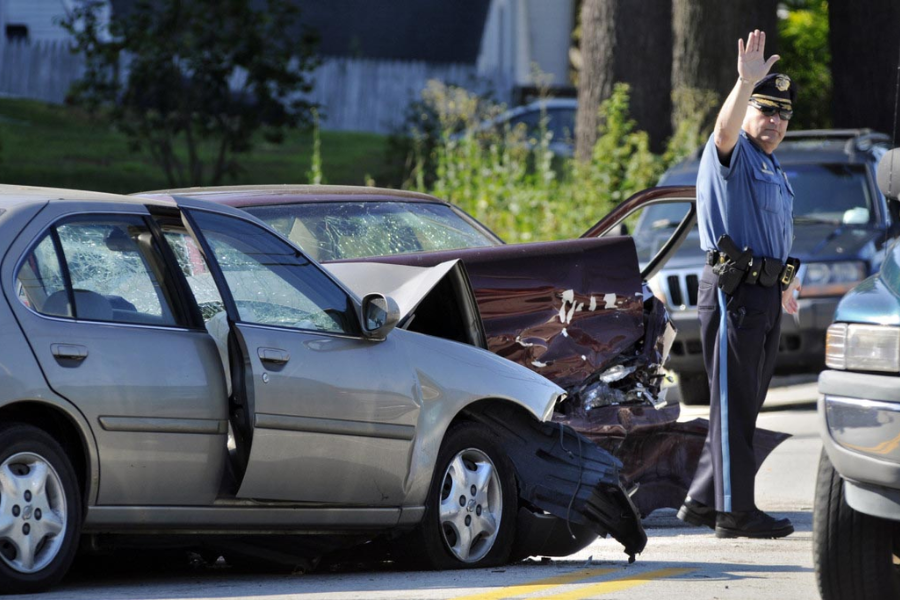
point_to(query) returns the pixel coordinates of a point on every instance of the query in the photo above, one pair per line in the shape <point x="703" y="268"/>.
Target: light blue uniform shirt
<point x="750" y="200"/>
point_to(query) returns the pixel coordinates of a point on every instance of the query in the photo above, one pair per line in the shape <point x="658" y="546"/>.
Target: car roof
<point x="20" y="195"/>
<point x="254" y="195"/>
<point x="546" y="103"/>
<point x="813" y="146"/>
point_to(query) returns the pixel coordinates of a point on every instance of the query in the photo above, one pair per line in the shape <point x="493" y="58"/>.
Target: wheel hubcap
<point x="32" y="512"/>
<point x="471" y="505"/>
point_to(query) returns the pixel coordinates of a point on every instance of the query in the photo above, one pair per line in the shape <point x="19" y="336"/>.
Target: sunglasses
<point x="769" y="111"/>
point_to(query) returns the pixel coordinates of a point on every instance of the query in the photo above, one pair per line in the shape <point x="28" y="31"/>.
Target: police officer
<point x="742" y="193"/>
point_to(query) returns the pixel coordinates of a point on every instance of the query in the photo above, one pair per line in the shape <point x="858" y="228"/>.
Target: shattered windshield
<point x="336" y="230"/>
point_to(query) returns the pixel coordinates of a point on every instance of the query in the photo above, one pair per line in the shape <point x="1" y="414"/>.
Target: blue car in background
<point x="856" y="518"/>
<point x="842" y="228"/>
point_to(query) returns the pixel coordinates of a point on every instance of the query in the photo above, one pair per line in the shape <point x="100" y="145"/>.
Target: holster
<point x="730" y="277"/>
<point x="734" y="269"/>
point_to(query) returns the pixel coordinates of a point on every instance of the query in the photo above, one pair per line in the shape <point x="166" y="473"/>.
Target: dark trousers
<point x="740" y="342"/>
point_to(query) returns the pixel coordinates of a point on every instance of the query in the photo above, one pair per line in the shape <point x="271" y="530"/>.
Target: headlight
<point x="863" y="347"/>
<point x="656" y="288"/>
<point x="831" y="279"/>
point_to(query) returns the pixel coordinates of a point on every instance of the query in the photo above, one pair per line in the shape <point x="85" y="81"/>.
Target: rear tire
<point x="853" y="553"/>
<point x="693" y="389"/>
<point x="462" y="529"/>
<point x="40" y="510"/>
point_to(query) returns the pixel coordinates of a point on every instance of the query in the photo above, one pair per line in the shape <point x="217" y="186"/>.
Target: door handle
<point x="69" y="351"/>
<point x="273" y="355"/>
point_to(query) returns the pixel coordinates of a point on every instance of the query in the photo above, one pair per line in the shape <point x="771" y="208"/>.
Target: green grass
<point x="60" y="146"/>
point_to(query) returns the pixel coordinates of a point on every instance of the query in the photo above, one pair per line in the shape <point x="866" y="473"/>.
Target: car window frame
<point x="171" y="294"/>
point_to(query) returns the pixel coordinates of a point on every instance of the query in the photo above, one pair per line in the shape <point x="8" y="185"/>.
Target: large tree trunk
<point x="644" y="61"/>
<point x="595" y="81"/>
<point x="706" y="34"/>
<point x="865" y="51"/>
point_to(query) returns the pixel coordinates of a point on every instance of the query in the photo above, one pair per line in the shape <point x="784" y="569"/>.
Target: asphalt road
<point x="680" y="562"/>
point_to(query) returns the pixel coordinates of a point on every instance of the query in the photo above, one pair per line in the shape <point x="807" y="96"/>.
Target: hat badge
<point x="782" y="83"/>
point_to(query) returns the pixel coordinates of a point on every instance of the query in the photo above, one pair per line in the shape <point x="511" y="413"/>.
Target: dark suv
<point x="842" y="226"/>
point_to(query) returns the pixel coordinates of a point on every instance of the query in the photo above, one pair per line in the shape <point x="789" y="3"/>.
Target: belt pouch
<point x="769" y="272"/>
<point x="754" y="271"/>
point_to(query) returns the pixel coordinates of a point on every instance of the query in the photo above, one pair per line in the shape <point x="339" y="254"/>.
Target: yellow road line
<point x="616" y="585"/>
<point x="538" y="586"/>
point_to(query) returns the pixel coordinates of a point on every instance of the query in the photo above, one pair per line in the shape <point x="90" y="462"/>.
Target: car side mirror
<point x="380" y="314"/>
<point x="888" y="175"/>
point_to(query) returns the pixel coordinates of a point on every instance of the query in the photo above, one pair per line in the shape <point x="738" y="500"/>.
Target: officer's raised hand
<point x="752" y="63"/>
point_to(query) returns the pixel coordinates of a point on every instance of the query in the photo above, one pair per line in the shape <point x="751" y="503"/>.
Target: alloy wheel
<point x="33" y="515"/>
<point x="471" y="505"/>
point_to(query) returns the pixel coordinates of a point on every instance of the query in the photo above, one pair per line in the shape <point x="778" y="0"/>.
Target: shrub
<point x="514" y="184"/>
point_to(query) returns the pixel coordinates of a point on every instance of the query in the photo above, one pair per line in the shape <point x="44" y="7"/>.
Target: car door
<point x="323" y="414"/>
<point x="93" y="295"/>
<point x="619" y="217"/>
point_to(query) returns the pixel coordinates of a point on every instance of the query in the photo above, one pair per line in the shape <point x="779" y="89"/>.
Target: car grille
<point x="680" y="288"/>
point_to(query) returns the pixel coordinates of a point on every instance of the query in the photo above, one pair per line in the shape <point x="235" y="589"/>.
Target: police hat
<point x="775" y="89"/>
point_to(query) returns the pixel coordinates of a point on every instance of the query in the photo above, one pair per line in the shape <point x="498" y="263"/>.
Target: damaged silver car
<point x="175" y="372"/>
<point x="578" y="311"/>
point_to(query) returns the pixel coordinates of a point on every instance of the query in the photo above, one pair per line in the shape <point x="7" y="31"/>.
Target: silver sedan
<point x="178" y="370"/>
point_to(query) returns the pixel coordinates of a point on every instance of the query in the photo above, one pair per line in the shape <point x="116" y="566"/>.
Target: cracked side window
<point x="271" y="282"/>
<point x="40" y="276"/>
<point x="106" y="264"/>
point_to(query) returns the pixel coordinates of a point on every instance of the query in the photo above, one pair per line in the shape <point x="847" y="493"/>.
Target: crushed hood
<point x="434" y="300"/>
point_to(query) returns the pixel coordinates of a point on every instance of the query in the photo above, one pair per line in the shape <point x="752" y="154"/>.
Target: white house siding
<point x="550" y="26"/>
<point x="40" y="17"/>
<point x="519" y="33"/>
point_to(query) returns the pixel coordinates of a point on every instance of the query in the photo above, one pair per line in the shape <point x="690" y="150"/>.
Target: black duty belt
<point x="763" y="270"/>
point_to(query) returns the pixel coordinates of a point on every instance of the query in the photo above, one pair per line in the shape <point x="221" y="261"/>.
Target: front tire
<point x="40" y="510"/>
<point x="470" y="513"/>
<point x="853" y="553"/>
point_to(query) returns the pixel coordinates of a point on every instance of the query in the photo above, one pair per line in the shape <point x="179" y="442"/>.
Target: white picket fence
<point x="354" y="94"/>
<point x="42" y="71"/>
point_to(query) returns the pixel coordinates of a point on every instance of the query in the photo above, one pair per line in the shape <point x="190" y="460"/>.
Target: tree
<point x="199" y="79"/>
<point x="644" y="61"/>
<point x="706" y="34"/>
<point x="595" y="81"/>
<point x="864" y="63"/>
<point x="806" y="57"/>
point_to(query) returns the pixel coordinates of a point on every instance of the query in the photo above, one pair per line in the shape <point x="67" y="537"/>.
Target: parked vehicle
<point x="575" y="311"/>
<point x="176" y="370"/>
<point x="560" y="114"/>
<point x="842" y="228"/>
<point x="856" y="518"/>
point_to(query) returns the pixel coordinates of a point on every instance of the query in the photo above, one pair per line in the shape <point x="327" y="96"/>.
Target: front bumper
<point x="802" y="345"/>
<point x="859" y="418"/>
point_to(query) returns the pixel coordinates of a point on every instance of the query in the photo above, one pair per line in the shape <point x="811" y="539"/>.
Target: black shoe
<point x="752" y="524"/>
<point x="698" y="514"/>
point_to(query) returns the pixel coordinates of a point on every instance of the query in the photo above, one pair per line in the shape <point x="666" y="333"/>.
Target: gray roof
<point x="442" y="31"/>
